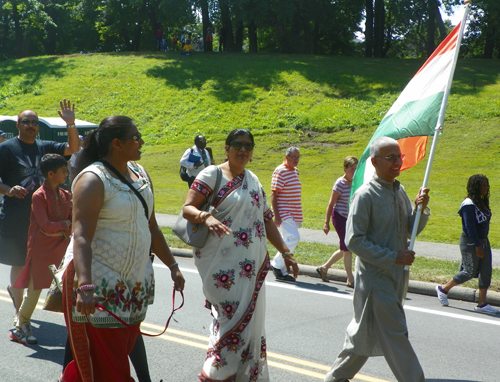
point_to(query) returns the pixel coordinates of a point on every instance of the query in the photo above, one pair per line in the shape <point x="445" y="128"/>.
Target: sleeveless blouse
<point x="121" y="269"/>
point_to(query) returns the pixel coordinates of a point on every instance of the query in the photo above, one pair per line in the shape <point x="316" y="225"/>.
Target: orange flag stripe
<point x="414" y="150"/>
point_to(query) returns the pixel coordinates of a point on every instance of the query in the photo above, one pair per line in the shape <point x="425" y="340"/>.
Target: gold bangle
<point x="205" y="217"/>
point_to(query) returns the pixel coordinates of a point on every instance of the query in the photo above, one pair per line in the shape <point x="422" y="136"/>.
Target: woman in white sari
<point x="234" y="263"/>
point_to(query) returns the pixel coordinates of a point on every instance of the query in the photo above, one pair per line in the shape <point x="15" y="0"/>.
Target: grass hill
<point x="328" y="106"/>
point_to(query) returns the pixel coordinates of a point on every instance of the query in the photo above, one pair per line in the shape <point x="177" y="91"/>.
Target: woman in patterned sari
<point x="234" y="263"/>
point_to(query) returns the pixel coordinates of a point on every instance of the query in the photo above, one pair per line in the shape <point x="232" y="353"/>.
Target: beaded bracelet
<point x="85" y="288"/>
<point x="287" y="254"/>
<point x="173" y="265"/>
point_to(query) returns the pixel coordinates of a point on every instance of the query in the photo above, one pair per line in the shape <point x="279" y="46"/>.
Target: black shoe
<point x="288" y="278"/>
<point x="276" y="272"/>
<point x="279" y="276"/>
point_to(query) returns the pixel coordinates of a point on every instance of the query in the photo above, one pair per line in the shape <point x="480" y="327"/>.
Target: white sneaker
<point x="442" y="297"/>
<point x="486" y="309"/>
<point x="28" y="335"/>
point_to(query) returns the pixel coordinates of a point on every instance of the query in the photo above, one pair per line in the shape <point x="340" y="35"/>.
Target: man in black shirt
<point x="20" y="178"/>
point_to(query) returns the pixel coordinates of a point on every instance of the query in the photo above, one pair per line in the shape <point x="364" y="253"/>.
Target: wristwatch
<point x="72" y="126"/>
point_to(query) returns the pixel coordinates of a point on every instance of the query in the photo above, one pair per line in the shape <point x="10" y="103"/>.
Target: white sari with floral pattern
<point x="233" y="270"/>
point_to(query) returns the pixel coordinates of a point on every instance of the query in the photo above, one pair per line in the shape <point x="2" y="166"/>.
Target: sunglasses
<point x="135" y="137"/>
<point x="238" y="145"/>
<point x="393" y="158"/>
<point x="28" y="122"/>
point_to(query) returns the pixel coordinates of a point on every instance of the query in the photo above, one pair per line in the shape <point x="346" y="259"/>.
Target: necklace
<point x="231" y="171"/>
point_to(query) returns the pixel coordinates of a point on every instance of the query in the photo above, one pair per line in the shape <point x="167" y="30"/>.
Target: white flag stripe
<point x="431" y="80"/>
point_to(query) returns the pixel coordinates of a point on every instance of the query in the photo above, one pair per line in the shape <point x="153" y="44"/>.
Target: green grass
<point x="423" y="269"/>
<point x="328" y="106"/>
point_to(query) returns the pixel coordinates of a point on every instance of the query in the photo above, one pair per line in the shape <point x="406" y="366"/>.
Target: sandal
<point x="322" y="274"/>
<point x="349" y="284"/>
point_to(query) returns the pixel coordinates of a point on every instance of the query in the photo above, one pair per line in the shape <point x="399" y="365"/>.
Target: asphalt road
<point x="306" y="323"/>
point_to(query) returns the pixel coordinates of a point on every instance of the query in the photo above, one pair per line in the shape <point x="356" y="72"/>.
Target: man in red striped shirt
<point x="286" y="193"/>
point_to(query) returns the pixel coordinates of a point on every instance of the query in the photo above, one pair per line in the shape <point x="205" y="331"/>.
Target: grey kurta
<point x="379" y="224"/>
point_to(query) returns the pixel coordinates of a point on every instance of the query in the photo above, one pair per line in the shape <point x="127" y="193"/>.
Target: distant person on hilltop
<point x="186" y="50"/>
<point x="209" y="40"/>
<point x="159" y="36"/>
<point x="474" y="244"/>
<point x="380" y="221"/>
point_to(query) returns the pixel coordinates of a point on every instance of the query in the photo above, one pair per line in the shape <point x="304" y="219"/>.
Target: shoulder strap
<point x="122" y="178"/>
<point x="217" y="185"/>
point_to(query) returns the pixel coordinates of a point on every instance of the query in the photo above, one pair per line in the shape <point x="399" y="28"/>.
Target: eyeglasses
<point x="293" y="158"/>
<point x="27" y="122"/>
<point x="238" y="145"/>
<point x="393" y="158"/>
<point x="135" y="137"/>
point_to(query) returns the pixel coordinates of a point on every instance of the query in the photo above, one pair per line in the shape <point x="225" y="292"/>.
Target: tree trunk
<point x="295" y="44"/>
<point x="440" y="23"/>
<point x="489" y="43"/>
<point x="17" y="29"/>
<point x="369" y="29"/>
<point x="252" y="37"/>
<point x="378" y="29"/>
<point x="431" y="27"/>
<point x="315" y="42"/>
<point x="227" y="27"/>
<point x="205" y="20"/>
<point x="238" y="43"/>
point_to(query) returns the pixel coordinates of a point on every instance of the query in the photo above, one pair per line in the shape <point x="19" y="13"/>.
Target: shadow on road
<point x="322" y="287"/>
<point x="51" y="341"/>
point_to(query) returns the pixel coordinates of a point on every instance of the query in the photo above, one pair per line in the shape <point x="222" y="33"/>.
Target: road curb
<point x="418" y="287"/>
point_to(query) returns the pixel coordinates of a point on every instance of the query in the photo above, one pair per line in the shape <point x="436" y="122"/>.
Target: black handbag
<point x="193" y="234"/>
<point x="183" y="172"/>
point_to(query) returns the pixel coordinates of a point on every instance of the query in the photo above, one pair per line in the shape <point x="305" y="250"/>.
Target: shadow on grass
<point x="31" y="70"/>
<point x="235" y="78"/>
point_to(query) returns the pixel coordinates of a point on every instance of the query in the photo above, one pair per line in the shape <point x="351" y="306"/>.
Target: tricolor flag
<point x="414" y="115"/>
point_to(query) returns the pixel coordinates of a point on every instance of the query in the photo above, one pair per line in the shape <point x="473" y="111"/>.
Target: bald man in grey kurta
<point x="379" y="224"/>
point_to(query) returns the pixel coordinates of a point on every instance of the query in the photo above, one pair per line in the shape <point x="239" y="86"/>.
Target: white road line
<point x="407" y="307"/>
<point x="349" y="297"/>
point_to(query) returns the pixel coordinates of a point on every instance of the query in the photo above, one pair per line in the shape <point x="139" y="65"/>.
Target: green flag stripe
<point x="416" y="118"/>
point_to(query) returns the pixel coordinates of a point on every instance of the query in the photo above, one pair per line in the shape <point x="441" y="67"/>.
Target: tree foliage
<point x="388" y="28"/>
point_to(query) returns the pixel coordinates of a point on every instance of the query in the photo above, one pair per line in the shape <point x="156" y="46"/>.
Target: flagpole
<point x="439" y="126"/>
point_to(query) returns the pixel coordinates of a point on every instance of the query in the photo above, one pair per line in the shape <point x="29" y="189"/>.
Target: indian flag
<point x="414" y="115"/>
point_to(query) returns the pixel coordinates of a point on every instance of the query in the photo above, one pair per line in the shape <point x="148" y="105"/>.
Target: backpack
<point x="183" y="172"/>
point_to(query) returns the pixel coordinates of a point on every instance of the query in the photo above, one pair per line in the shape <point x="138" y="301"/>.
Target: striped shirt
<point x="288" y="198"/>
<point x="344" y="189"/>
